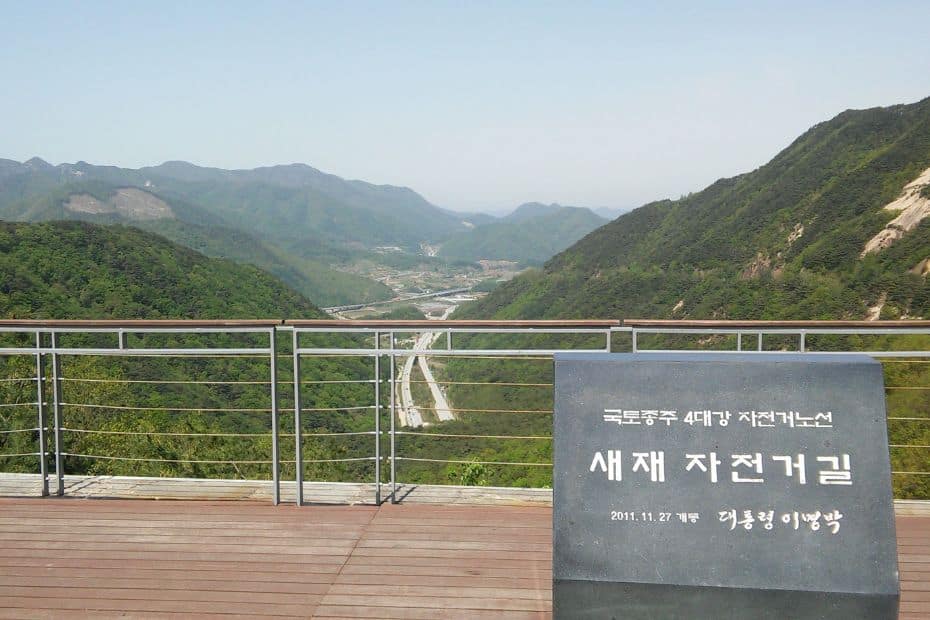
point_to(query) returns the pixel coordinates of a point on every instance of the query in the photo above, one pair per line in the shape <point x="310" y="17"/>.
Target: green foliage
<point x="407" y="312"/>
<point x="312" y="278"/>
<point x="293" y="203"/>
<point x="67" y="270"/>
<point x="189" y="417"/>
<point x="781" y="242"/>
<point x="292" y="221"/>
<point x="486" y="286"/>
<point x="469" y="474"/>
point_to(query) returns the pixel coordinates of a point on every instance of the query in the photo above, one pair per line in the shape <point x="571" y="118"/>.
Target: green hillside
<point x="312" y="278"/>
<point x="283" y="203"/>
<point x="529" y="235"/>
<point x="151" y="415"/>
<point x="783" y="241"/>
<point x="42" y="193"/>
<point x="786" y="241"/>
<point x="297" y="201"/>
<point x="66" y="270"/>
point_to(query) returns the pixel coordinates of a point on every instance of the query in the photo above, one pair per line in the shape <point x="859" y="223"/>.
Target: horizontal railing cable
<point x="170" y="408"/>
<point x="324" y="409"/>
<point x="342" y="460"/>
<point x="452" y="435"/>
<point x="167" y="434"/>
<point x="164" y="460"/>
<point x="517" y="464"/>
<point x="20" y="430"/>
<point x="335" y="382"/>
<point x="500" y="383"/>
<point x="207" y="434"/>
<point x="453" y="409"/>
<point x="528" y="358"/>
<point x="162" y="381"/>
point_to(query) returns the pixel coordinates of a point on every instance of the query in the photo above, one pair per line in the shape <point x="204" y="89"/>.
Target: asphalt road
<point x="409" y="414"/>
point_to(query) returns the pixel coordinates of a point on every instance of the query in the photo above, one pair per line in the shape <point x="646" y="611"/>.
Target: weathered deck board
<point x="81" y="558"/>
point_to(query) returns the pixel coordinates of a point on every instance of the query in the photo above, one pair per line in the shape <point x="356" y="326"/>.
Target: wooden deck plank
<point x="84" y="558"/>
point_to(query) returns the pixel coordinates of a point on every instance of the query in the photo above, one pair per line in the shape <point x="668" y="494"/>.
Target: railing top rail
<point x="439" y="324"/>
<point x="730" y="324"/>
<point x="138" y="323"/>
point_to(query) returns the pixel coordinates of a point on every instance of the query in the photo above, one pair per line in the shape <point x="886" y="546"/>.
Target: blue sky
<point x="478" y="106"/>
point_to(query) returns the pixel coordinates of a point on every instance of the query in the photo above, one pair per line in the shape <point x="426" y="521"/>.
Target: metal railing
<point x="346" y="400"/>
<point x="381" y="342"/>
<point x="117" y="340"/>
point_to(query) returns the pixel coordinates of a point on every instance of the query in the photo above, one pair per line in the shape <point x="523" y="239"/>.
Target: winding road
<point x="409" y="414"/>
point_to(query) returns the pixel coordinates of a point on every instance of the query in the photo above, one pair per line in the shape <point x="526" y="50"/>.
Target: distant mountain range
<point x="292" y="220"/>
<point x="530" y="234"/>
<point x="285" y="202"/>
<point x="836" y="226"/>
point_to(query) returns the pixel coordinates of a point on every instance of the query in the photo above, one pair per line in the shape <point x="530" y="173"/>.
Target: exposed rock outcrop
<point x="913" y="205"/>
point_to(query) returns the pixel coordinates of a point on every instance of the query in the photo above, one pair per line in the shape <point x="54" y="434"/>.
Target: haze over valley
<point x="337" y="242"/>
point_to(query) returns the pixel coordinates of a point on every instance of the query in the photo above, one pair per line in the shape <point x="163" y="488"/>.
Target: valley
<point x="338" y="242"/>
<point x="833" y="227"/>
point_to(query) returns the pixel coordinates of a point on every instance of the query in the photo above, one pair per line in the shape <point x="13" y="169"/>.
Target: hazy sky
<point x="475" y="105"/>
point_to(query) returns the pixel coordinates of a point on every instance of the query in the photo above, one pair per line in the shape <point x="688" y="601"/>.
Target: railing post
<point x="634" y="340"/>
<point x="803" y="342"/>
<point x="377" y="417"/>
<point x="43" y="423"/>
<point x="759" y="344"/>
<point x="275" y="460"/>
<point x="298" y="441"/>
<point x="393" y="414"/>
<point x="56" y="404"/>
<point x="739" y="341"/>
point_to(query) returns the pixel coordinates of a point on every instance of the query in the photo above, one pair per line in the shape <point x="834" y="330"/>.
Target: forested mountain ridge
<point x="787" y="240"/>
<point x="36" y="191"/>
<point x="289" y="202"/>
<point x="195" y="416"/>
<point x="529" y="235"/>
<point x="532" y="209"/>
<point x="77" y="270"/>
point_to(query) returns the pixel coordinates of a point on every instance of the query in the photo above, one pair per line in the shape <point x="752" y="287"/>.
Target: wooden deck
<point x="96" y="558"/>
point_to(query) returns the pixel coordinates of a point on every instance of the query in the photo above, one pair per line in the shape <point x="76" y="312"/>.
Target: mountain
<point x="529" y="235"/>
<point x="66" y="270"/>
<point x="37" y="191"/>
<point x="144" y="407"/>
<point x="532" y="209"/>
<point x="289" y="201"/>
<point x="312" y="278"/>
<point x="816" y="233"/>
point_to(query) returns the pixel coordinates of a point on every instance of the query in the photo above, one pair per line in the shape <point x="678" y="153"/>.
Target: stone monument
<point x="717" y="485"/>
